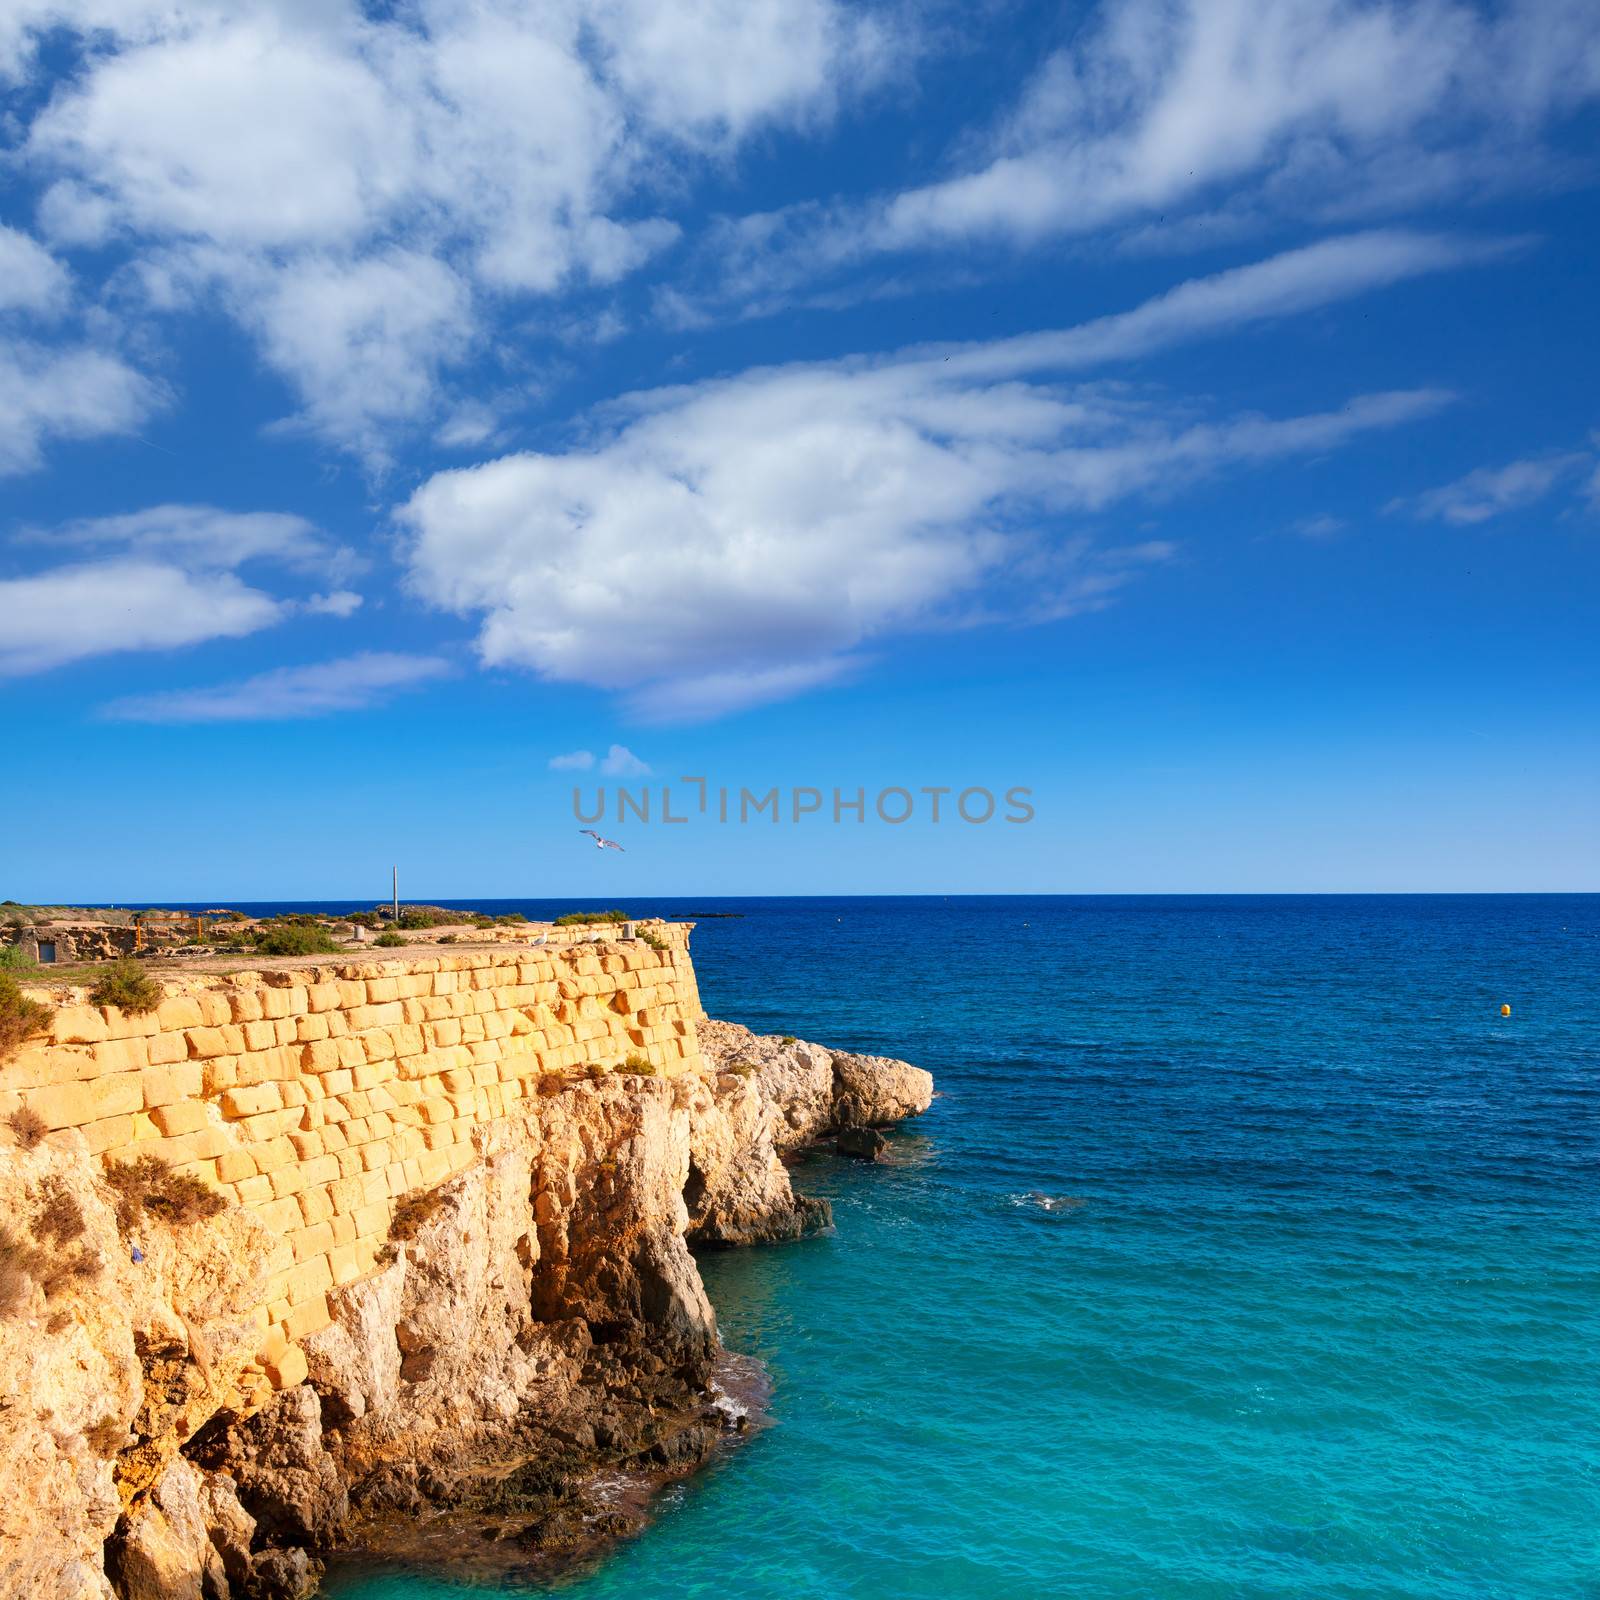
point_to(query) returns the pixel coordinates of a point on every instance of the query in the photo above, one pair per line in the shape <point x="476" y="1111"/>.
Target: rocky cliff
<point x="533" y="1334"/>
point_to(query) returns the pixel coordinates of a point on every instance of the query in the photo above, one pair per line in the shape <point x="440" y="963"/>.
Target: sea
<point x="1248" y="1252"/>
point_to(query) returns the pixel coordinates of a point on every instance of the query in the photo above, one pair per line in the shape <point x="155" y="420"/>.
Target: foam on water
<point x="1323" y="1324"/>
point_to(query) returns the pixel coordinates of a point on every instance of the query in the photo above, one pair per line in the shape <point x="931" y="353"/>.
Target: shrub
<point x="28" y="1126"/>
<point x="388" y="941"/>
<point x="788" y="1038"/>
<point x="13" y="958"/>
<point x="653" y="939"/>
<point x="417" y="917"/>
<point x="148" y="1183"/>
<point x="412" y="1211"/>
<point x="20" y="1017"/>
<point x="586" y="919"/>
<point x="60" y="1218"/>
<point x="294" y="939"/>
<point x="643" y="1065"/>
<point x="449" y="938"/>
<point x="127" y="985"/>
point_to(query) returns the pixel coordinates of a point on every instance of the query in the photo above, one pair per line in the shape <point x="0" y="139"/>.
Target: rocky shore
<point x="536" y="1355"/>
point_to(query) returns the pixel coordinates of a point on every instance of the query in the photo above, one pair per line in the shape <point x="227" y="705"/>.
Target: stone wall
<point x="317" y="1096"/>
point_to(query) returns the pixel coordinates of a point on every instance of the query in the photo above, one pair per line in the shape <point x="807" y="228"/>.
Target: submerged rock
<point x="866" y="1144"/>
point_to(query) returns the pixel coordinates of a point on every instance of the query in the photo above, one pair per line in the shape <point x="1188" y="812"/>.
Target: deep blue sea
<point x="1326" y="1322"/>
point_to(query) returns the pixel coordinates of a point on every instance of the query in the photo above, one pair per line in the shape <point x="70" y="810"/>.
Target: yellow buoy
<point x="1505" y="1011"/>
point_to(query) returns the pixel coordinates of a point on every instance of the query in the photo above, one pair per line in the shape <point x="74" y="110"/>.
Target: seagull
<point x="599" y="843"/>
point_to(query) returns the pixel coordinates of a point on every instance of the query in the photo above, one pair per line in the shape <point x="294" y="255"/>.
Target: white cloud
<point x="361" y="187"/>
<point x="1492" y="491"/>
<point x="350" y="684"/>
<point x="1318" y="527"/>
<point x="209" y="538"/>
<point x="338" y="603"/>
<point x="1160" y="108"/>
<point x="164" y="577"/>
<point x="64" y="392"/>
<point x="31" y="279"/>
<point x="70" y="613"/>
<point x="735" y="541"/>
<point x="621" y="762"/>
<point x="573" y="761"/>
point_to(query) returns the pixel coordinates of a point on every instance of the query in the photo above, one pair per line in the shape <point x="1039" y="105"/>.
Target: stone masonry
<point x="317" y="1096"/>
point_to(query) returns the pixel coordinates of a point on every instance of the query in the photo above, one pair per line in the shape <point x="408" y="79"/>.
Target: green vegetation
<point x="418" y="917"/>
<point x="389" y="940"/>
<point x="588" y="919"/>
<point x="653" y="939"/>
<point x="20" y="1017"/>
<point x="126" y="984"/>
<point x="13" y="958"/>
<point x="150" y="1184"/>
<point x="293" y="938"/>
<point x="788" y="1038"/>
<point x="643" y="1065"/>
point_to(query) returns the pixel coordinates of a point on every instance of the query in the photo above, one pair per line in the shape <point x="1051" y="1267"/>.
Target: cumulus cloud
<point x="573" y="761"/>
<point x="362" y="187"/>
<point x="620" y="762"/>
<point x="1492" y="491"/>
<point x="735" y="541"/>
<point x="350" y="684"/>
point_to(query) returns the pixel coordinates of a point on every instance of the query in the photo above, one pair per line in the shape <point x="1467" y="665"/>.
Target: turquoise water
<point x="1324" y="1324"/>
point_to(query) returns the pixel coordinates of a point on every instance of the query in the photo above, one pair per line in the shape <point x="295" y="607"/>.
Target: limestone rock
<point x="865" y="1144"/>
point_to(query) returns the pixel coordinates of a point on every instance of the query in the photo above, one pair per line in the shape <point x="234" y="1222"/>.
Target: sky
<point x="424" y="422"/>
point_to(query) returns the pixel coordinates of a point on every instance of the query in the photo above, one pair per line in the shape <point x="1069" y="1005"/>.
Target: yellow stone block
<point x="289" y="1369"/>
<point x="184" y="1116"/>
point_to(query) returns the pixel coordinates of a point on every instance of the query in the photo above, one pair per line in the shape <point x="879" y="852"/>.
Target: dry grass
<point x="127" y="985"/>
<point x="20" y="1017"/>
<point x="412" y="1211"/>
<point x="27" y="1126"/>
<point x="107" y="1436"/>
<point x="60" y="1219"/>
<point x="149" y="1184"/>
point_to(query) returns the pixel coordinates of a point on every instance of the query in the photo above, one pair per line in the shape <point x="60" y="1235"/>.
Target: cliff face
<point x="535" y="1318"/>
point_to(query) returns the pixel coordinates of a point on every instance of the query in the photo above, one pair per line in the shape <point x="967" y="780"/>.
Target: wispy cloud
<point x="162" y="578"/>
<point x="70" y="613"/>
<point x="573" y="761"/>
<point x="1491" y="492"/>
<point x="1177" y="122"/>
<point x="350" y="684"/>
<point x="731" y="542"/>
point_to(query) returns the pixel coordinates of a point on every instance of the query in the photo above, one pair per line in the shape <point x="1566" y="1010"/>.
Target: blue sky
<point x="1183" y="411"/>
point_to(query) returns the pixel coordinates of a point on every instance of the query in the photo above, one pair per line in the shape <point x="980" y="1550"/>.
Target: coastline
<point x="532" y="1318"/>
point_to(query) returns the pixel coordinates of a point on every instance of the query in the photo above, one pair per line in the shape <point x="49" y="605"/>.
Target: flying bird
<point x="599" y="843"/>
